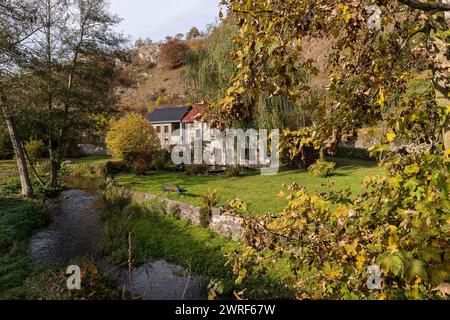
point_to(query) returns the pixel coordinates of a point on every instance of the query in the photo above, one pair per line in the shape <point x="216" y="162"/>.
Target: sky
<point x="155" y="19"/>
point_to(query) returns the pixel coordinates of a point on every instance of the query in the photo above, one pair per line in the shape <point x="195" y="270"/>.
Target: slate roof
<point x="168" y="115"/>
<point x="196" y="112"/>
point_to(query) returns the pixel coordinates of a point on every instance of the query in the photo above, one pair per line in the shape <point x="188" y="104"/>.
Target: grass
<point x="163" y="236"/>
<point x="18" y="219"/>
<point x="260" y="192"/>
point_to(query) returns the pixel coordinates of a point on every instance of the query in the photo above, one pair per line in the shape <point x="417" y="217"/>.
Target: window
<point x="158" y="129"/>
<point x="166" y="129"/>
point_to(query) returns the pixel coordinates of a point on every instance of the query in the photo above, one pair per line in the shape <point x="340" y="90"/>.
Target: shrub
<point x="35" y="150"/>
<point x="201" y="169"/>
<point x="131" y="134"/>
<point x="299" y="149"/>
<point x="211" y="199"/>
<point x="236" y="207"/>
<point x="116" y="198"/>
<point x="234" y="171"/>
<point x="353" y="153"/>
<point x="115" y="166"/>
<point x="139" y="162"/>
<point x="160" y="159"/>
<point x="322" y="168"/>
<point x="173" y="54"/>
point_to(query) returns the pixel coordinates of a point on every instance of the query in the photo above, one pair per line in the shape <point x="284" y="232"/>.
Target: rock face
<point x="225" y="225"/>
<point x="147" y="51"/>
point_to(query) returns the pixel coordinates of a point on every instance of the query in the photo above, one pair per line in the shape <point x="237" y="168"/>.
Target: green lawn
<point x="260" y="192"/>
<point x="8" y="170"/>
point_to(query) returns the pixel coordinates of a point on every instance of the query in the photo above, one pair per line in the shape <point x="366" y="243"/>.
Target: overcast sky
<point x="155" y="19"/>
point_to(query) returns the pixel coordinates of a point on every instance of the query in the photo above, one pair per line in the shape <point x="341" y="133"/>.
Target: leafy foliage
<point x="322" y="168"/>
<point x="234" y="171"/>
<point x="402" y="224"/>
<point x="299" y="148"/>
<point x="35" y="149"/>
<point x="131" y="134"/>
<point x="173" y="54"/>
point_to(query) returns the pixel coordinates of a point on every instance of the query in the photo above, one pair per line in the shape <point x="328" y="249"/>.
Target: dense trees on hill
<point x="173" y="54"/>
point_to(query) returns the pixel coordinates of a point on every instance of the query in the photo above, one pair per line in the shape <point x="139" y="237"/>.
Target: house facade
<point x="179" y="125"/>
<point x="166" y="122"/>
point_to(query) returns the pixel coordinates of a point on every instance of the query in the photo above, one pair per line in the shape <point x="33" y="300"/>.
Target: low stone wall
<point x="225" y="225"/>
<point x="91" y="150"/>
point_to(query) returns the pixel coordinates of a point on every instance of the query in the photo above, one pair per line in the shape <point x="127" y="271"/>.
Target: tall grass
<point x="116" y="198"/>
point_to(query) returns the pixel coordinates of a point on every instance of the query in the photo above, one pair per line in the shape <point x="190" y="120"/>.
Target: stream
<point x="75" y="231"/>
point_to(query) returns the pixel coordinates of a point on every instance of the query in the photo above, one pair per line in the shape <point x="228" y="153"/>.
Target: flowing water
<point x="75" y="231"/>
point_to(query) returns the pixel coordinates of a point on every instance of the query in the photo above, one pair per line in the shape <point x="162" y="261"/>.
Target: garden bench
<point x="174" y="188"/>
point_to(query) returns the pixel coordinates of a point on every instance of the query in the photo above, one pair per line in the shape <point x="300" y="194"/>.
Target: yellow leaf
<point x="390" y="136"/>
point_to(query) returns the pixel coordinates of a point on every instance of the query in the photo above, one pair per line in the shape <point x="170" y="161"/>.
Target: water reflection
<point x="75" y="231"/>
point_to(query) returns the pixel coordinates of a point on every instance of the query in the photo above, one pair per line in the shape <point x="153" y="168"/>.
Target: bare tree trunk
<point x="27" y="189"/>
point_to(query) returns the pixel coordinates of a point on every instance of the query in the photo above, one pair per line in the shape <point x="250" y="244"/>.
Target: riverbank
<point x="20" y="278"/>
<point x="136" y="233"/>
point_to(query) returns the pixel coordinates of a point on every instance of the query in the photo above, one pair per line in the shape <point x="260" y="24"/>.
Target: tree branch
<point x="426" y="6"/>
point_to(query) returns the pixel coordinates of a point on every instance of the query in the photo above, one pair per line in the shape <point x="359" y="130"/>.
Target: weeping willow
<point x="207" y="77"/>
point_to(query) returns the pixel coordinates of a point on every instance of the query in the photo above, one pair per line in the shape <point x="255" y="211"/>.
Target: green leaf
<point x="416" y="268"/>
<point x="412" y="169"/>
<point x="390" y="263"/>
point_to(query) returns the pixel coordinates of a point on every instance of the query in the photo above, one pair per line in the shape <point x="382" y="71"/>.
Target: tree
<point x="74" y="70"/>
<point x="131" y="134"/>
<point x="17" y="25"/>
<point x="209" y="70"/>
<point x="401" y="222"/>
<point x="173" y="54"/>
<point x="193" y="34"/>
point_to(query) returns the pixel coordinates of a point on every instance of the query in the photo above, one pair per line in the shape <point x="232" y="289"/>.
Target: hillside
<point x="156" y="86"/>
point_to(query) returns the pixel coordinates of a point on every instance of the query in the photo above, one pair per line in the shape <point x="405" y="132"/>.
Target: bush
<point x="160" y="159"/>
<point x="115" y="166"/>
<point x="211" y="199"/>
<point x="234" y="171"/>
<point x="173" y="54"/>
<point x="322" y="168"/>
<point x="201" y="169"/>
<point x="139" y="162"/>
<point x="131" y="134"/>
<point x="353" y="153"/>
<point x="35" y="150"/>
<point x="299" y="149"/>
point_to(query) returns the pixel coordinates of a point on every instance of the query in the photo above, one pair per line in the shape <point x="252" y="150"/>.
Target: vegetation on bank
<point x="156" y="234"/>
<point x="19" y="279"/>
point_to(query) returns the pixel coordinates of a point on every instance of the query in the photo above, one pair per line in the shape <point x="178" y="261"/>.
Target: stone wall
<point x="229" y="226"/>
<point x="91" y="150"/>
